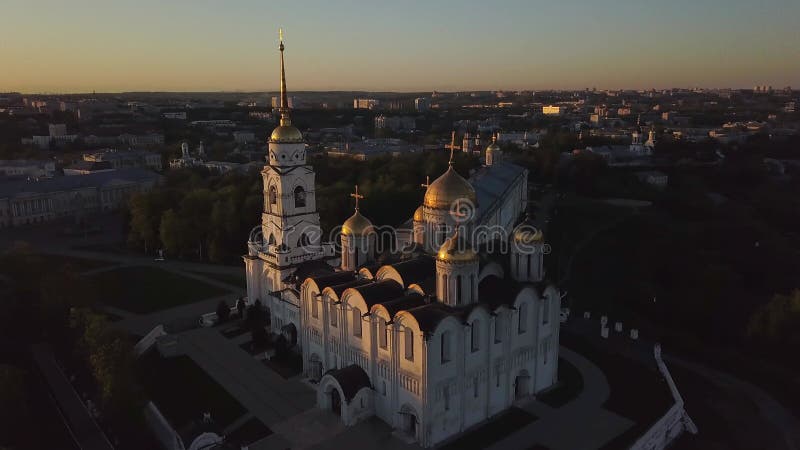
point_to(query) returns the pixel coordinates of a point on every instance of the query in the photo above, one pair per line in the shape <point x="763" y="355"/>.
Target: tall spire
<point x="284" y="109"/>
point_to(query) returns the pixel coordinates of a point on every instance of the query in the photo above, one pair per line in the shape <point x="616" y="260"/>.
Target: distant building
<point x="370" y="148"/>
<point x="27" y="167"/>
<point x="553" y="110"/>
<point x="24" y="202"/>
<point x="365" y="103"/>
<point x="653" y="178"/>
<point x="57" y="129"/>
<point x="276" y="102"/>
<point x="422" y="104"/>
<point x="174" y="115"/>
<point x="88" y="167"/>
<point x="141" y="140"/>
<point x="244" y="137"/>
<point x="126" y="159"/>
<point x="395" y="123"/>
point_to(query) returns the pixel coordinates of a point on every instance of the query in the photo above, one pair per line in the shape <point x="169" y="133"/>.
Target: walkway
<point x="84" y="429"/>
<point x="582" y="423"/>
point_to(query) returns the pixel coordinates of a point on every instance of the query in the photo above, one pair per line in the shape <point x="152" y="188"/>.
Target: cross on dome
<point x="356" y="196"/>
<point x="427" y="182"/>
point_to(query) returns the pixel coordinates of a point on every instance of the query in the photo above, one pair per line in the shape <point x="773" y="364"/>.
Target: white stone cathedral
<point x="436" y="339"/>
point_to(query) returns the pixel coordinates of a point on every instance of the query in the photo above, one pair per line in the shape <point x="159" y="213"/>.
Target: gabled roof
<point x="403" y="303"/>
<point x="379" y="291"/>
<point x="416" y="270"/>
<point x="494" y="291"/>
<point x="351" y="379"/>
<point x="334" y="279"/>
<point x="428" y="316"/>
<point x="339" y="288"/>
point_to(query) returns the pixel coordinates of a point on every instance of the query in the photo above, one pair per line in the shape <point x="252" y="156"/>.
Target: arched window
<point x="299" y="197"/>
<point x="472" y="296"/>
<point x="444" y="286"/>
<point x="409" y="343"/>
<point x="476" y="335"/>
<point x="529" y="265"/>
<point x="273" y="196"/>
<point x="523" y="318"/>
<point x="445" y="347"/>
<point x="271" y="240"/>
<point x="382" y="333"/>
<point x="314" y="307"/>
<point x="498" y="328"/>
<point x="332" y="312"/>
<point x="546" y="310"/>
<point x="356" y="322"/>
<point x="303" y="240"/>
<point x="458" y="290"/>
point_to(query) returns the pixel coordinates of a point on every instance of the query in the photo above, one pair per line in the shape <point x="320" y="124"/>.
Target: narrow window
<point x="458" y="290"/>
<point x="475" y="387"/>
<point x="447" y="398"/>
<point x="333" y="314"/>
<point x="314" y="307"/>
<point x="444" y="287"/>
<point x="356" y="322"/>
<point x="476" y="335"/>
<point x="409" y="342"/>
<point x="383" y="388"/>
<point x="546" y="312"/>
<point x="299" y="197"/>
<point x="273" y="196"/>
<point x="445" y="346"/>
<point x="498" y="329"/>
<point x="529" y="265"/>
<point x="472" y="297"/>
<point x="382" y="332"/>
<point x="523" y="318"/>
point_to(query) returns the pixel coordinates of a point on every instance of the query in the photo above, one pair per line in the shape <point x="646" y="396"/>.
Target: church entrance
<point x="521" y="385"/>
<point x="336" y="402"/>
<point x="408" y="422"/>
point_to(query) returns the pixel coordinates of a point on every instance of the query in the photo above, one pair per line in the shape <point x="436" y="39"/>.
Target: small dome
<point x="528" y="235"/>
<point x="494" y="146"/>
<point x="357" y="225"/>
<point x="448" y="188"/>
<point x="418" y="217"/>
<point x="456" y="250"/>
<point x="286" y="134"/>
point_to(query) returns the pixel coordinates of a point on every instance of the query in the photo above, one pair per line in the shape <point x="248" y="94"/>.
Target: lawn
<point x="183" y="391"/>
<point x="570" y="384"/>
<point x="145" y="289"/>
<point x="234" y="280"/>
<point x="488" y="433"/>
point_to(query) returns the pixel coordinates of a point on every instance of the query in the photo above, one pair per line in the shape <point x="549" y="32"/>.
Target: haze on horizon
<point x="203" y="45"/>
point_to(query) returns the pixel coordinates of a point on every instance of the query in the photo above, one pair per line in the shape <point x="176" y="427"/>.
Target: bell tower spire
<point x="285" y="119"/>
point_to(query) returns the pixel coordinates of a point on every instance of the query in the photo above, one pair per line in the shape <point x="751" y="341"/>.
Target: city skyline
<point x="361" y="46"/>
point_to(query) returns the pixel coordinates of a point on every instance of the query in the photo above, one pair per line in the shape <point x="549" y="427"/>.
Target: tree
<point x="13" y="402"/>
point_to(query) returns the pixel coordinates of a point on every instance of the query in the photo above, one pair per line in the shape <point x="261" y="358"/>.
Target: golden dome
<point x="493" y="147"/>
<point x="286" y="133"/>
<point x="456" y="250"/>
<point x="528" y="235"/>
<point x="448" y="188"/>
<point x="357" y="225"/>
<point x="418" y="217"/>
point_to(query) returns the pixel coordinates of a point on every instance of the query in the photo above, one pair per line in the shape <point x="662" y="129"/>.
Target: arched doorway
<point x="336" y="402"/>
<point x="522" y="385"/>
<point x="408" y="421"/>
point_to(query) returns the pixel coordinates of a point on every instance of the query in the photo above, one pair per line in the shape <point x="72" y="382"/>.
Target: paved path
<point x="180" y="317"/>
<point x="84" y="429"/>
<point x="768" y="407"/>
<point x="582" y="423"/>
<point x="264" y="393"/>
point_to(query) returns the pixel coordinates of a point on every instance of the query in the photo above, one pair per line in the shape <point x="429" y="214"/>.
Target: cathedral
<point x="433" y="339"/>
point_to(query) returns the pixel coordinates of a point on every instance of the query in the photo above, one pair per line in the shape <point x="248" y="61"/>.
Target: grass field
<point x="183" y="391"/>
<point x="234" y="280"/>
<point x="145" y="289"/>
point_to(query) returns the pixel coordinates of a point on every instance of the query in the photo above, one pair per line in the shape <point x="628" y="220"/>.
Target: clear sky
<point x="399" y="45"/>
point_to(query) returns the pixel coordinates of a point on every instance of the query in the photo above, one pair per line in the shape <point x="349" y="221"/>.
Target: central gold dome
<point x="456" y="250"/>
<point x="448" y="188"/>
<point x="286" y="134"/>
<point x="357" y="225"/>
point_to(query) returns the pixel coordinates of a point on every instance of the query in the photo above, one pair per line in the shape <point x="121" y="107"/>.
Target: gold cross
<point x="356" y="196"/>
<point x="427" y="182"/>
<point x="452" y="146"/>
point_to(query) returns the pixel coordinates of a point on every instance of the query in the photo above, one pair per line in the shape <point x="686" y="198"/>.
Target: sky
<point x="61" y="46"/>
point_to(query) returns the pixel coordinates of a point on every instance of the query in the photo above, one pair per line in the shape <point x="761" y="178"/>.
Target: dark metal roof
<point x="416" y="270"/>
<point x="351" y="379"/>
<point x="380" y="291"/>
<point x="339" y="288"/>
<point x="311" y="269"/>
<point x="403" y="303"/>
<point x="495" y="291"/>
<point x="334" y="279"/>
<point x="428" y="316"/>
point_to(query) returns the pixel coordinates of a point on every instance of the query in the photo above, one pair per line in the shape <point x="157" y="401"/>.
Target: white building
<point x="126" y="159"/>
<point x="27" y="167"/>
<point x="553" y="110"/>
<point x="365" y="103"/>
<point x="444" y="337"/>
